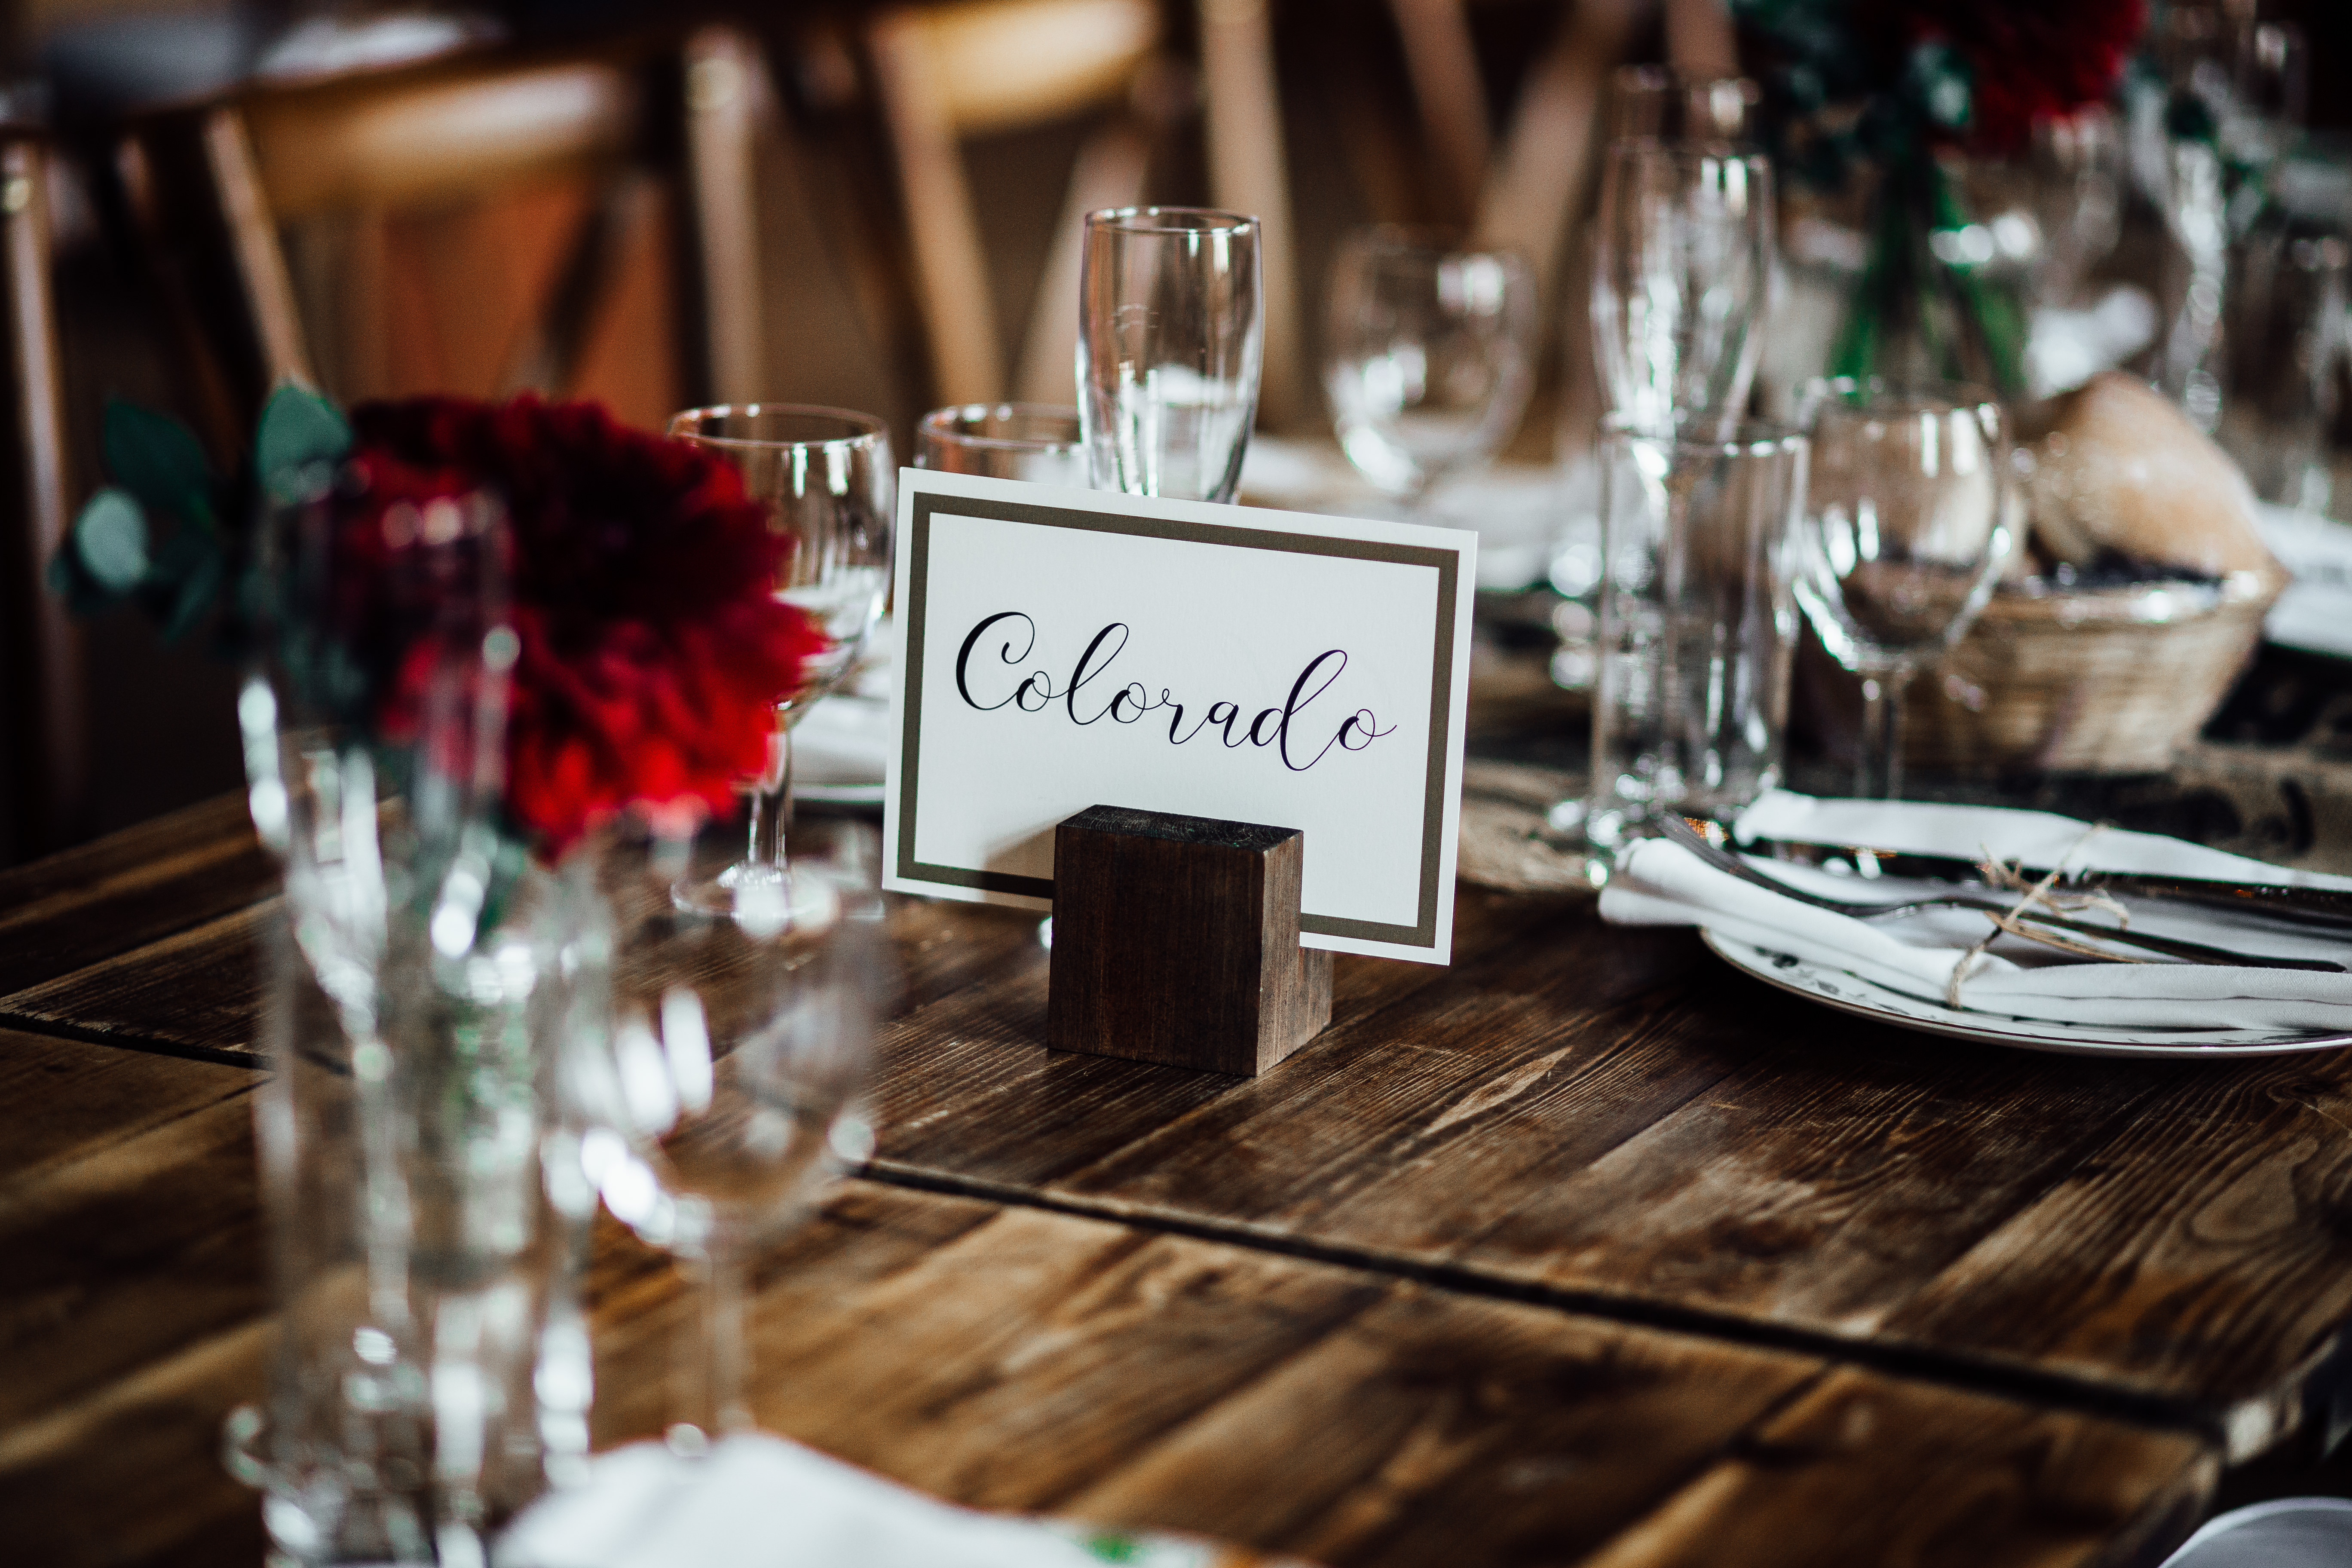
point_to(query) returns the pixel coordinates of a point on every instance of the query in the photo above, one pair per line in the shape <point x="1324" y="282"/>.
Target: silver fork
<point x="1678" y="830"/>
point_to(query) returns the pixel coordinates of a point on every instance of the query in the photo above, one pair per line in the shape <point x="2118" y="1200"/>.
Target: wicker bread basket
<point x="2104" y="680"/>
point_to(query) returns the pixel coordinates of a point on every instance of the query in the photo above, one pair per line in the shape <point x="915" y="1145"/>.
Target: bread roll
<point x="2118" y="467"/>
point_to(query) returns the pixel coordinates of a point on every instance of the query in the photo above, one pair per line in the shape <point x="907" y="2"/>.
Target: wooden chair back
<point x="579" y="226"/>
<point x="948" y="72"/>
<point x="45" y="739"/>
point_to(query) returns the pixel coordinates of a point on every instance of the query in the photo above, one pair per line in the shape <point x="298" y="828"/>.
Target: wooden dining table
<point x="1582" y="1250"/>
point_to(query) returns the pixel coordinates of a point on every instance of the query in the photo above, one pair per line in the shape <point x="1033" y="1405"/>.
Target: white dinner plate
<point x="1849" y="992"/>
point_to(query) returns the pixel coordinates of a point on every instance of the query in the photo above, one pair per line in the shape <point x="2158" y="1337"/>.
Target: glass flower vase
<point x="1931" y="303"/>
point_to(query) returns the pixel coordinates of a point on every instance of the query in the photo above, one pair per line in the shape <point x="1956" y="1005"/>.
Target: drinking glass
<point x="1691" y="695"/>
<point x="432" y="1365"/>
<point x="2077" y="167"/>
<point x="1662" y="103"/>
<point x="1431" y="354"/>
<point x="720" y="1092"/>
<point x="1908" y="519"/>
<point x="826" y="479"/>
<point x="1171" y="337"/>
<point x="2289" y="348"/>
<point x="2235" y="105"/>
<point x="1681" y="282"/>
<point x="1032" y="441"/>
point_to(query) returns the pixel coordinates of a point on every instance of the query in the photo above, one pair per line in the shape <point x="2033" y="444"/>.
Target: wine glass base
<point x="771" y="897"/>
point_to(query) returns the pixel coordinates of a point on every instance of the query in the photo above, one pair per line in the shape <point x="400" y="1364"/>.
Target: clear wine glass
<point x="826" y="479"/>
<point x="720" y="1092"/>
<point x="1032" y="441"/>
<point x="1170" y="340"/>
<point x="1681" y="282"/>
<point x="1908" y="520"/>
<point x="1431" y="354"/>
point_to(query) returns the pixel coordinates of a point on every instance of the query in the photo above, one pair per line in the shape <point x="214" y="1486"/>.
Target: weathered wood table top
<point x="1586" y="1250"/>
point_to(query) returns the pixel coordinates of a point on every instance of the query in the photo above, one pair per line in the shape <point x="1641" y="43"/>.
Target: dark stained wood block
<point x="1176" y="941"/>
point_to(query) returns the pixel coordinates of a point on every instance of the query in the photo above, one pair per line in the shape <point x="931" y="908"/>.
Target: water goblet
<point x="1681" y="283"/>
<point x="1032" y="441"/>
<point x="1908" y="520"/>
<point x="1431" y="354"/>
<point x="826" y="476"/>
<point x="1171" y="339"/>
<point x="720" y="1092"/>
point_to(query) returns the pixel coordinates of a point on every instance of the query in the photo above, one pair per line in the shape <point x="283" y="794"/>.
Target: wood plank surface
<point x="1016" y="1358"/>
<point x="1610" y="1121"/>
<point x="1614" y="1119"/>
<point x="131" y="887"/>
<point x="1611" y="1116"/>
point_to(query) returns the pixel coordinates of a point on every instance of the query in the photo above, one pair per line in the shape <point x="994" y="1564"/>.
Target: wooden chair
<point x="947" y="73"/>
<point x="45" y="739"/>
<point x="581" y="224"/>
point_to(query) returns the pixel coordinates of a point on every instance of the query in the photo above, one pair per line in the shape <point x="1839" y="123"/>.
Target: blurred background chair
<point x="994" y="68"/>
<point x="44" y="736"/>
<point x="480" y="226"/>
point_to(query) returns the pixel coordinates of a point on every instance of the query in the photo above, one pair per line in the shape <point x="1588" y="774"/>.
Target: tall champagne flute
<point x="1431" y="354"/>
<point x="826" y="479"/>
<point x="1171" y="339"/>
<point x="1682" y="279"/>
<point x="720" y="1092"/>
<point x="1908" y="519"/>
<point x="1661" y="102"/>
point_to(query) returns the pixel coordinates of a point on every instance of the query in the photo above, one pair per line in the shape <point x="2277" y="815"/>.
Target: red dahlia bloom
<point x="642" y="586"/>
<point x="2032" y="59"/>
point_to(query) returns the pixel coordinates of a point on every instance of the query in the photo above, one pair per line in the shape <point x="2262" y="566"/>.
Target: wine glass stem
<point x="716" y="1403"/>
<point x="771" y="801"/>
<point x="1879" y="775"/>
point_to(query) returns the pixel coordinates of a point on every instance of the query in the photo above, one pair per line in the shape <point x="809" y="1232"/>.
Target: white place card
<point x="1062" y="649"/>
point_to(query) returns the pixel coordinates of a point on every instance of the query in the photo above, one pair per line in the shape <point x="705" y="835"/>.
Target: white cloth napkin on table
<point x="1657" y="882"/>
<point x="758" y="1501"/>
<point x="2290" y="1533"/>
<point x="843" y="742"/>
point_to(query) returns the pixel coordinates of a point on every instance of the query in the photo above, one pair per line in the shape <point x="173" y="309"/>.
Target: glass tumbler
<point x="1697" y="623"/>
<point x="1170" y="339"/>
<point x="1032" y="441"/>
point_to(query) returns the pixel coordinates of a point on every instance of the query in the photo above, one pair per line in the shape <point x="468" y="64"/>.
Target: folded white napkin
<point x="758" y="1501"/>
<point x="1517" y="509"/>
<point x="2316" y="611"/>
<point x="2292" y="1532"/>
<point x="844" y="740"/>
<point x="1660" y="883"/>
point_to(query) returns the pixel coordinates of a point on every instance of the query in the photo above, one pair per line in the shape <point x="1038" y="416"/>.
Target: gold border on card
<point x="1447" y="563"/>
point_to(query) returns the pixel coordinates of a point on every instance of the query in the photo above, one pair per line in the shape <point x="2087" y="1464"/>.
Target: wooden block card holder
<point x="1176" y="941"/>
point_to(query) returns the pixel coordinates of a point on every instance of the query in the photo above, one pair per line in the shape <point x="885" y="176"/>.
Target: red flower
<point x="642" y="587"/>
<point x="2032" y="59"/>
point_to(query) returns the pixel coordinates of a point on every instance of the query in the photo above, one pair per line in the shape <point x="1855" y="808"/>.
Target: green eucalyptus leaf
<point x="199" y="589"/>
<point x="110" y="541"/>
<point x="159" y="460"/>
<point x="301" y="434"/>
